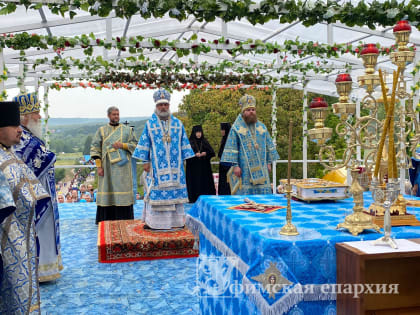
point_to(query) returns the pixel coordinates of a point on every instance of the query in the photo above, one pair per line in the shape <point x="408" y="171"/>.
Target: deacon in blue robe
<point x="40" y="160"/>
<point x="163" y="146"/>
<point x="19" y="293"/>
<point x="250" y="151"/>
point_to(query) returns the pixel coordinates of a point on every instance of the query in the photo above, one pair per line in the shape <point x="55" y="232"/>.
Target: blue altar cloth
<point x="251" y="242"/>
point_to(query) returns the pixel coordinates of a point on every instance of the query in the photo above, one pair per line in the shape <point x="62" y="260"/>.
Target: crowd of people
<point x="85" y="193"/>
<point x="29" y="200"/>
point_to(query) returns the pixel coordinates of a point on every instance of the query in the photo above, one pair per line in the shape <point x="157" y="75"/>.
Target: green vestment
<point x="115" y="188"/>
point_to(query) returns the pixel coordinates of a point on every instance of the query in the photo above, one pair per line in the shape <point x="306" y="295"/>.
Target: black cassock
<point x="199" y="175"/>
<point x="223" y="187"/>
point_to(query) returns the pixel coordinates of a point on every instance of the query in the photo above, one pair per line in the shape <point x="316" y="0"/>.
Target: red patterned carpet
<point x="126" y="240"/>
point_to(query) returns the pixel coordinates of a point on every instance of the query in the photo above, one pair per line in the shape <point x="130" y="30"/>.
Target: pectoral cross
<point x="167" y="138"/>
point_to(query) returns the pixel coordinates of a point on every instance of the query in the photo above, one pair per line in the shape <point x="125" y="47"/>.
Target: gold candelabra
<point x="358" y="131"/>
<point x="364" y="131"/>
<point x="406" y="123"/>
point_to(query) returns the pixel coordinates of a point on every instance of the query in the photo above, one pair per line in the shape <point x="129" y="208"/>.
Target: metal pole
<point x="305" y="132"/>
<point x="330" y="34"/>
<point x="358" y="148"/>
<point x="1" y="72"/>
<point x="47" y="116"/>
<point x="21" y="79"/>
<point x="274" y="133"/>
<point x="108" y="28"/>
<point x="416" y="96"/>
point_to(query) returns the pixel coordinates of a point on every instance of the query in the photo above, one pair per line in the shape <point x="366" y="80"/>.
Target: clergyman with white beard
<point x="33" y="151"/>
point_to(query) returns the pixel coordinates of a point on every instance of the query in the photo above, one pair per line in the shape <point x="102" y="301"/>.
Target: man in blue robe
<point x="40" y="160"/>
<point x="19" y="290"/>
<point x="163" y="147"/>
<point x="7" y="206"/>
<point x="250" y="151"/>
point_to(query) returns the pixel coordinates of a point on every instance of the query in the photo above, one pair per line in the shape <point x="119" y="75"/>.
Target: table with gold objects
<point x="242" y="254"/>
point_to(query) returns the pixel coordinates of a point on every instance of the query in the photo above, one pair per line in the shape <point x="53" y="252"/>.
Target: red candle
<point x="318" y="102"/>
<point x="370" y="49"/>
<point x="402" y="26"/>
<point x="344" y="77"/>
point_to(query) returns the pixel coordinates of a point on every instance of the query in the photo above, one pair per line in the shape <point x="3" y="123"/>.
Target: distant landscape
<point x="82" y="121"/>
<point x="71" y="135"/>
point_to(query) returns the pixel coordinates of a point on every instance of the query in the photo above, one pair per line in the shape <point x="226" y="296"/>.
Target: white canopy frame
<point x="43" y="21"/>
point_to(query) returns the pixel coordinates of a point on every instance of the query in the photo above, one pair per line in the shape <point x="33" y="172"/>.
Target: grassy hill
<point x="71" y="138"/>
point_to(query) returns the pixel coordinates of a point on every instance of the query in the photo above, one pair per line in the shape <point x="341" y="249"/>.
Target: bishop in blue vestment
<point x="250" y="151"/>
<point x="163" y="146"/>
<point x="33" y="151"/>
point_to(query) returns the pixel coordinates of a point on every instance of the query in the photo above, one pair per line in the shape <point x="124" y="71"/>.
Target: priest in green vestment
<point x="111" y="149"/>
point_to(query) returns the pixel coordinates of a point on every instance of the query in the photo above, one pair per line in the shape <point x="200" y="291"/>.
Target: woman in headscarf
<point x="199" y="175"/>
<point x="223" y="187"/>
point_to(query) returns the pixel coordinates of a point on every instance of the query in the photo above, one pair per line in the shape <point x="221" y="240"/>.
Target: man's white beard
<point x="35" y="127"/>
<point x="163" y="115"/>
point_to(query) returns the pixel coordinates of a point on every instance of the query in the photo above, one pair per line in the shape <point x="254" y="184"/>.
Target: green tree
<point x="59" y="174"/>
<point x="86" y="147"/>
<point x="210" y="108"/>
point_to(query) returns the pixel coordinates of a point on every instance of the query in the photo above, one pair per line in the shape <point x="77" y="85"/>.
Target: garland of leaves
<point x="167" y="78"/>
<point x="372" y="13"/>
<point x="136" y="64"/>
<point x="225" y="72"/>
<point x="137" y="45"/>
<point x="145" y="86"/>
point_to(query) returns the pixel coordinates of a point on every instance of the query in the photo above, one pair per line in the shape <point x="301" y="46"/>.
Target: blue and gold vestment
<point x="252" y="149"/>
<point x="40" y="160"/>
<point x="19" y="290"/>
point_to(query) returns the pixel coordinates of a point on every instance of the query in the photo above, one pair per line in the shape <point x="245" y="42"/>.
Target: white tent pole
<point x="274" y="134"/>
<point x="305" y="132"/>
<point x="108" y="29"/>
<point x="330" y="34"/>
<point x="47" y="116"/>
<point x="416" y="96"/>
<point x="1" y="71"/>
<point x="21" y="79"/>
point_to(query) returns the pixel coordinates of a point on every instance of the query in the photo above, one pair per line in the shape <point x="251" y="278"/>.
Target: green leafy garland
<point x="139" y="86"/>
<point x="225" y="72"/>
<point x="167" y="78"/>
<point x="372" y="13"/>
<point x="137" y="45"/>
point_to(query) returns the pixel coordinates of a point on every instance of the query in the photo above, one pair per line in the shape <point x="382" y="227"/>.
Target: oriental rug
<point x="127" y="240"/>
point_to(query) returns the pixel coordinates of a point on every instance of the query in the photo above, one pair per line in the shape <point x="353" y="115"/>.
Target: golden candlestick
<point x="358" y="221"/>
<point x="319" y="111"/>
<point x="289" y="228"/>
<point x="344" y="108"/>
<point x="369" y="55"/>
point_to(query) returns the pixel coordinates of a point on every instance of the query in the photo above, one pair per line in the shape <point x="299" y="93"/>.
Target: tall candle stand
<point x="289" y="229"/>
<point x="406" y="124"/>
<point x="358" y="131"/>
